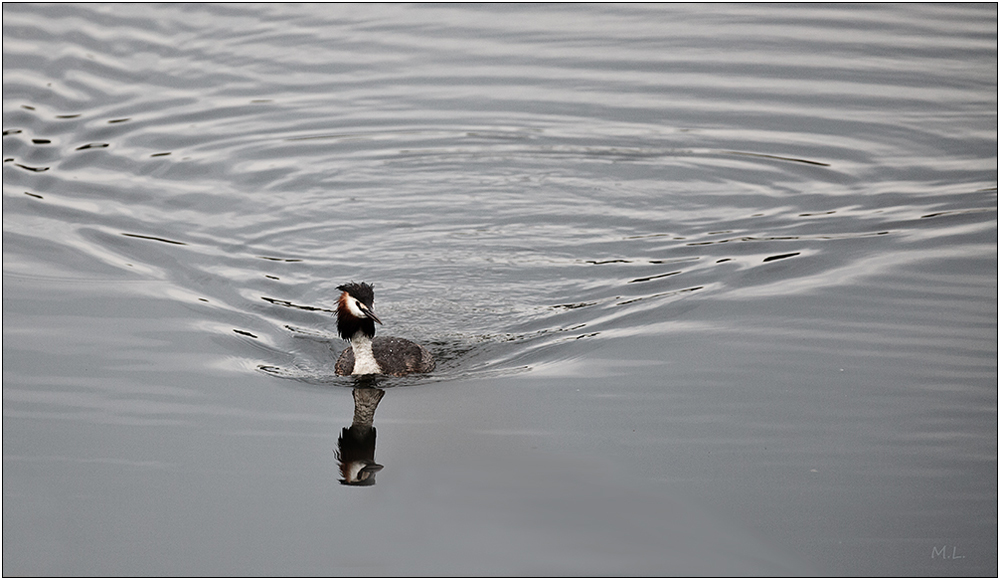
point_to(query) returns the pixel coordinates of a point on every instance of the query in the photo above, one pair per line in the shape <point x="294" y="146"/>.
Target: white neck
<point x="364" y="358"/>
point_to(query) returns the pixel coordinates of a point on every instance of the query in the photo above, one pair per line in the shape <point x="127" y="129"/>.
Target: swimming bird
<point x="368" y="355"/>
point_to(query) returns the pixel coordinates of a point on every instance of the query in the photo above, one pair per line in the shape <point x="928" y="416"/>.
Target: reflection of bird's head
<point x="359" y="472"/>
<point x="356" y="454"/>
<point x="355" y="310"/>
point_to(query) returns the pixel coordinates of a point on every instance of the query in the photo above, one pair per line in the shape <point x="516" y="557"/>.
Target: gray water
<point x="712" y="289"/>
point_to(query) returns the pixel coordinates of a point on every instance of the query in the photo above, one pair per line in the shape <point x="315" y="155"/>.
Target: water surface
<point x="712" y="289"/>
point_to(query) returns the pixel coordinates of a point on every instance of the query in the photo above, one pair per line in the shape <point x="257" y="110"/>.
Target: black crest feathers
<point x="362" y="291"/>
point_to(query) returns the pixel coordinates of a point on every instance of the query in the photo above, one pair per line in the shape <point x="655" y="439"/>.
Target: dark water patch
<point x="778" y="157"/>
<point x="781" y="256"/>
<point x="958" y="212"/>
<point x="572" y="306"/>
<point x="154" y="238"/>
<point x="32" y="169"/>
<point x="288" y="304"/>
<point x="648" y="278"/>
<point x="661" y="295"/>
<point x="844" y="236"/>
<point x="289" y="260"/>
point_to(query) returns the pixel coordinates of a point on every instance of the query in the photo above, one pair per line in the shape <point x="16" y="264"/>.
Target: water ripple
<point x="540" y="168"/>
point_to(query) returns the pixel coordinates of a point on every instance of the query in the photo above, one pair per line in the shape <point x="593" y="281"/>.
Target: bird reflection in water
<point x="356" y="444"/>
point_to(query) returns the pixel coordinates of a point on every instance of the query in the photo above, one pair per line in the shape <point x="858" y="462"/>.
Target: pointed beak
<point x="368" y="312"/>
<point x="372" y="468"/>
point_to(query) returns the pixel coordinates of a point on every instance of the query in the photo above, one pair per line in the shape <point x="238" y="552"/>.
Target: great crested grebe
<point x="368" y="355"/>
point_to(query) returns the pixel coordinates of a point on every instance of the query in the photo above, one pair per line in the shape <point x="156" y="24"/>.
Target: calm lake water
<point x="713" y="289"/>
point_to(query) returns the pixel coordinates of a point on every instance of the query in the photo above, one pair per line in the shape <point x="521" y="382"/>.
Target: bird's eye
<point x="355" y="307"/>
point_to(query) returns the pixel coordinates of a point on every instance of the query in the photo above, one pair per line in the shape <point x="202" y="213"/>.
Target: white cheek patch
<point x="353" y="469"/>
<point x="352" y="307"/>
